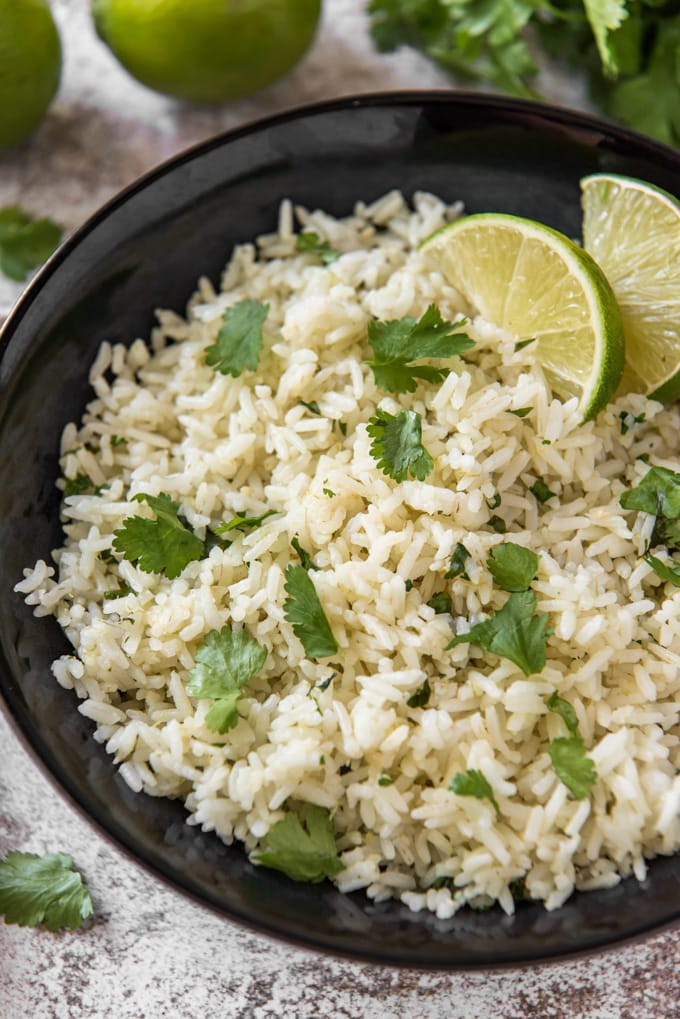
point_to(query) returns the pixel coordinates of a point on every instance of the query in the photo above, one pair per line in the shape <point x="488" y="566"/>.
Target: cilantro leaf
<point x="627" y="420"/>
<point x="396" y="445"/>
<point x="440" y="602"/>
<point x="120" y="592"/>
<point x="457" y="563"/>
<point x="399" y="342"/>
<point x="312" y="406"/>
<point x="514" y="632"/>
<point x="512" y="566"/>
<point x="240" y="523"/>
<point x="239" y="341"/>
<point x="664" y="570"/>
<point x="657" y="493"/>
<point x="473" y="783"/>
<point x="304" y="612"/>
<point x="225" y="661"/>
<point x="25" y="243"/>
<point x="305" y="558"/>
<point x="43" y="890"/>
<point x="571" y="765"/>
<point x="497" y="524"/>
<point x="309" y="242"/>
<point x="605" y="16"/>
<point x="303" y="850"/>
<point x="163" y="545"/>
<point x="76" y="486"/>
<point x="385" y="780"/>
<point x="421" y="696"/>
<point x="522" y="412"/>
<point x="565" y="711"/>
<point x="540" y="491"/>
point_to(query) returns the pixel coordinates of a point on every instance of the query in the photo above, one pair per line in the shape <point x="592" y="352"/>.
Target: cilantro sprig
<point x="514" y="632"/>
<point x="568" y="753"/>
<point x="240" y="339"/>
<point x="43" y="890"/>
<point x="302" y="847"/>
<point x="163" y="545"/>
<point x="25" y="243"/>
<point x="225" y="661"/>
<point x="241" y="523"/>
<point x="398" y="343"/>
<point x="397" y="446"/>
<point x="304" y="611"/>
<point x="473" y="783"/>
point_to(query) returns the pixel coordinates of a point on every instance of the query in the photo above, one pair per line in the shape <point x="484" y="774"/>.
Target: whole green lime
<point x="30" y="67"/>
<point x="207" y="50"/>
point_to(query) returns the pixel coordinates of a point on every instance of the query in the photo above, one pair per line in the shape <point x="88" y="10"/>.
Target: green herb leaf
<point x="513" y="567"/>
<point x="514" y="632"/>
<point x="309" y="242"/>
<point x="329" y="492"/>
<point x="421" y="696"/>
<point x="495" y="502"/>
<point x="43" y="890"/>
<point x="522" y="412"/>
<point x="325" y="683"/>
<point x="303" y="850"/>
<point x="397" y="446"/>
<point x="225" y="661"/>
<point x="120" y="592"/>
<point x="497" y="524"/>
<point x="304" y="612"/>
<point x="440" y="602"/>
<point x="540" y="491"/>
<point x="457" y="563"/>
<point x="305" y="558"/>
<point x="473" y="783"/>
<point x="627" y="420"/>
<point x="163" y="545"/>
<point x="240" y="523"/>
<point x="571" y="765"/>
<point x="657" y="493"/>
<point x="385" y="780"/>
<point x="312" y="407"/>
<point x="605" y="16"/>
<point x="565" y="711"/>
<point x="398" y="343"/>
<point x="76" y="486"/>
<point x="25" y="243"/>
<point x="239" y="341"/>
<point x="664" y="570"/>
<point x="118" y="440"/>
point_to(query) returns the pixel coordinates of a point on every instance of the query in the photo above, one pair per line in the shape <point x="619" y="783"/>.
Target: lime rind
<point x="533" y="281"/>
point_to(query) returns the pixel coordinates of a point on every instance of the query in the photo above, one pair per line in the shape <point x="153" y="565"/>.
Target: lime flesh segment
<point x="632" y="229"/>
<point x="534" y="282"/>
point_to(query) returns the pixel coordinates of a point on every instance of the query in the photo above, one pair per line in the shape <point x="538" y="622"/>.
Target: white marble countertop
<point x="152" y="954"/>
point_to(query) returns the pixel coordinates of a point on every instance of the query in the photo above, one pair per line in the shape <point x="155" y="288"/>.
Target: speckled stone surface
<point x="150" y="954"/>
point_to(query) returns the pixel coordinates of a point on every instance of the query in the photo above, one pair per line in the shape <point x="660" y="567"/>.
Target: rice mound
<point x="221" y="446"/>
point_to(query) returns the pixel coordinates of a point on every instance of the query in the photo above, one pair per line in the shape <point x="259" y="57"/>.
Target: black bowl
<point x="145" y="249"/>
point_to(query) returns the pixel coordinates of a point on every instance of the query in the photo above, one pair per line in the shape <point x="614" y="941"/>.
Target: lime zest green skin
<point x="635" y="320"/>
<point x="207" y="51"/>
<point x="603" y="307"/>
<point x="30" y="67"/>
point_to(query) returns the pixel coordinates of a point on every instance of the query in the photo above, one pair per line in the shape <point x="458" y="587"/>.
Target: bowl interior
<point x="145" y="250"/>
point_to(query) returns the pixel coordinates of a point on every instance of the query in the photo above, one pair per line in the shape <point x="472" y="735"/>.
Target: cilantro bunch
<point x="628" y="49"/>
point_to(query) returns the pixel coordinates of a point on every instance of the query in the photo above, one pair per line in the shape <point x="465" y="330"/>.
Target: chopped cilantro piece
<point x="473" y="783"/>
<point x="385" y="780"/>
<point x="76" y="486"/>
<point x="497" y="524"/>
<point x="120" y="592"/>
<point x="342" y="425"/>
<point x="524" y="343"/>
<point x="512" y="566"/>
<point x="239" y="341"/>
<point x="309" y="242"/>
<point x="565" y="711"/>
<point x="303" y="849"/>
<point x="304" y="612"/>
<point x="329" y="492"/>
<point x="305" y="558"/>
<point x="240" y="523"/>
<point x="441" y="602"/>
<point x="225" y="661"/>
<point x="163" y="545"/>
<point x="540" y="491"/>
<point x="421" y="696"/>
<point x="396" y="445"/>
<point x="457" y="563"/>
<point x="522" y="412"/>
<point x="644" y="457"/>
<point x="396" y="344"/>
<point x="43" y="890"/>
<point x="25" y="243"/>
<point x="118" y="440"/>
<point x="312" y="407"/>
<point x="664" y="570"/>
<point x="627" y="420"/>
<point x="408" y="585"/>
<point x="514" y="632"/>
<point x="495" y="502"/>
<point x="658" y="493"/>
<point x="571" y="765"/>
<point x="325" y="683"/>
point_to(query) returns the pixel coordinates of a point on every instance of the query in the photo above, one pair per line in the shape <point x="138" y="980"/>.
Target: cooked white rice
<point x="221" y="446"/>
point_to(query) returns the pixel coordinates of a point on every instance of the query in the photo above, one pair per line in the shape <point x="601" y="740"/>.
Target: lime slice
<point x="536" y="283"/>
<point x="632" y="229"/>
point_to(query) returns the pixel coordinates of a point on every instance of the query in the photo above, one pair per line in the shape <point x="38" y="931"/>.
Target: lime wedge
<point x="632" y="229"/>
<point x="536" y="283"/>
